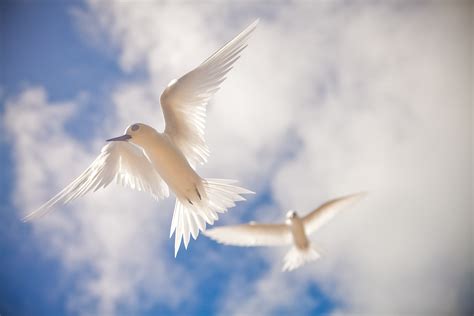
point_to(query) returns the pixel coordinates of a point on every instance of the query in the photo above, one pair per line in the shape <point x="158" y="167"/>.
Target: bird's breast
<point x="299" y="234"/>
<point x="170" y="163"/>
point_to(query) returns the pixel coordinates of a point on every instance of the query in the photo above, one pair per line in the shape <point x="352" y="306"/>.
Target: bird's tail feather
<point x="190" y="218"/>
<point x="296" y="257"/>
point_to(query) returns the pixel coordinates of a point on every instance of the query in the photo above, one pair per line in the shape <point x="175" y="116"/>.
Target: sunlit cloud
<point x="328" y="99"/>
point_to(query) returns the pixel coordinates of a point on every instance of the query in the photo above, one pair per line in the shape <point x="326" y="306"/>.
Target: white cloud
<point x="329" y="98"/>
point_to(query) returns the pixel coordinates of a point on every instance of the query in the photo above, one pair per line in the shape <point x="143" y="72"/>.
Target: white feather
<point x="184" y="101"/>
<point x="324" y="213"/>
<point x="120" y="161"/>
<point x="295" y="258"/>
<point x="189" y="219"/>
<point x="252" y="234"/>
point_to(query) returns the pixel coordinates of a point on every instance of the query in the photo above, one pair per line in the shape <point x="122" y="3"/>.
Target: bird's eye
<point x="135" y="127"/>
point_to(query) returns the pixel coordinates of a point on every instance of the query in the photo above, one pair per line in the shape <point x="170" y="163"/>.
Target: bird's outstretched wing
<point x="184" y="100"/>
<point x="324" y="213"/>
<point x="251" y="234"/>
<point x="120" y="161"/>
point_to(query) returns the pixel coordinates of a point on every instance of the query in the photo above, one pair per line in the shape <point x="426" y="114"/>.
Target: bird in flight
<point x="294" y="232"/>
<point x="147" y="160"/>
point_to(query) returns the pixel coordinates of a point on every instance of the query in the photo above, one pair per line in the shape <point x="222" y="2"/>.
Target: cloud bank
<point x="328" y="99"/>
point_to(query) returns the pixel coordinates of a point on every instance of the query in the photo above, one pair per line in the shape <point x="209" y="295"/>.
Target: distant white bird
<point x="294" y="231"/>
<point x="149" y="161"/>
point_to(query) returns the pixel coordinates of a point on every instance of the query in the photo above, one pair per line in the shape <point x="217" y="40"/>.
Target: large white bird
<point x="150" y="161"/>
<point x="294" y="232"/>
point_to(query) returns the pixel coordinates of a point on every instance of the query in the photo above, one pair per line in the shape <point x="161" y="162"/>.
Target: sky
<point x="328" y="99"/>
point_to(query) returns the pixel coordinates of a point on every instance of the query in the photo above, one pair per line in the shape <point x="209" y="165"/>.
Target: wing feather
<point x="184" y="101"/>
<point x="119" y="161"/>
<point x="251" y="234"/>
<point x="324" y="213"/>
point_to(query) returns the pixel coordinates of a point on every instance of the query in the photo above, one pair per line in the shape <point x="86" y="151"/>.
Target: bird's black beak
<point x="122" y="138"/>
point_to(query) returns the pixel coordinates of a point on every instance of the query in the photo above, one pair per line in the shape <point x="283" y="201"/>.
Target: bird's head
<point x="137" y="133"/>
<point x="291" y="214"/>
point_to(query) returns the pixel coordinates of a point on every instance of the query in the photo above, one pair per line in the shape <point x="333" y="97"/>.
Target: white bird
<point x="150" y="161"/>
<point x="294" y="232"/>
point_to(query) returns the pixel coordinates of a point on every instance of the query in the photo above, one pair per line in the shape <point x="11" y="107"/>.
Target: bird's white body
<point x="300" y="239"/>
<point x="172" y="165"/>
<point x="293" y="232"/>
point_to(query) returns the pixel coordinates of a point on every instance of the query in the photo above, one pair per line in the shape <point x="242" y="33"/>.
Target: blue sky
<point x="328" y="99"/>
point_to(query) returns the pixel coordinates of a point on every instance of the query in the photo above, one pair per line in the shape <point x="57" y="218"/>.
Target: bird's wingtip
<point x="206" y="232"/>
<point x="253" y="25"/>
<point x="361" y="194"/>
<point x="246" y="191"/>
<point x="28" y="217"/>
